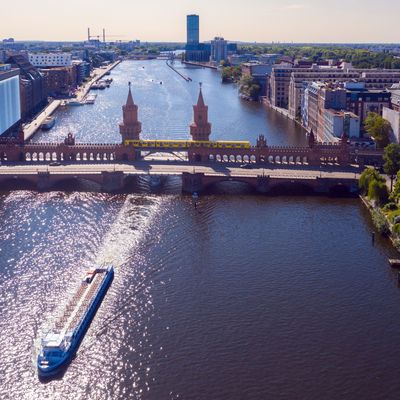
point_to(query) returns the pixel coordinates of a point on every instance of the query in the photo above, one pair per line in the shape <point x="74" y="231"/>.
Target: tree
<point x="378" y="128"/>
<point x="378" y="191"/>
<point x="368" y="175"/>
<point x="392" y="161"/>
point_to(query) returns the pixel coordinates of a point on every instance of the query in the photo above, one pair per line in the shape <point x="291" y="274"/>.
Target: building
<point x="192" y="30"/>
<point x="33" y="90"/>
<point x="10" y="102"/>
<point x="336" y="123"/>
<point x="82" y="70"/>
<point x="260" y="72"/>
<point x="298" y="78"/>
<point x="219" y="50"/>
<point x="194" y="50"/>
<point x="46" y="60"/>
<point x="363" y="101"/>
<point x="393" y="116"/>
<point x="61" y="80"/>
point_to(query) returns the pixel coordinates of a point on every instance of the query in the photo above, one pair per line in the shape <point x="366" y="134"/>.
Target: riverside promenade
<point x="98" y="73"/>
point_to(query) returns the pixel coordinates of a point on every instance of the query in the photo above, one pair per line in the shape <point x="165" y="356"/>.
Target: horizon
<point x="306" y="22"/>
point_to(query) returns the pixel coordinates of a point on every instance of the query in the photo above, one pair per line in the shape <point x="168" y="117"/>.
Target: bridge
<point x="195" y="177"/>
<point x="319" y="166"/>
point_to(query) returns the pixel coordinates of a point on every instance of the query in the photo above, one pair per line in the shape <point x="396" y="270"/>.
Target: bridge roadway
<point x="195" y="177"/>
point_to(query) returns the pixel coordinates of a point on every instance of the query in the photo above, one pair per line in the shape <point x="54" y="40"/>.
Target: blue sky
<point x="164" y="20"/>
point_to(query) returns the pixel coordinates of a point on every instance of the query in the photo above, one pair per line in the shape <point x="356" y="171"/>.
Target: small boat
<point x="48" y="123"/>
<point x="75" y="103"/>
<point x="91" y="98"/>
<point x="59" y="345"/>
<point x="160" y="82"/>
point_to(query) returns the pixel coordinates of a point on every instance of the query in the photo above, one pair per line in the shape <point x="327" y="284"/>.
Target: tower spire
<point x="200" y="128"/>
<point x="130" y="127"/>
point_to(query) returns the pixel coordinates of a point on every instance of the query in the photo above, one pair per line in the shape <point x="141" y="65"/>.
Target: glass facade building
<point x="192" y="26"/>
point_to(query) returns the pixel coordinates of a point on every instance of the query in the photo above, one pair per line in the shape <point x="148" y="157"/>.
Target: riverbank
<point x="31" y="128"/>
<point x="98" y="74"/>
<point x="382" y="222"/>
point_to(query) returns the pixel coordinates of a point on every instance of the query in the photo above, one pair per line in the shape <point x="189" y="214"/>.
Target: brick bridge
<point x="314" y="154"/>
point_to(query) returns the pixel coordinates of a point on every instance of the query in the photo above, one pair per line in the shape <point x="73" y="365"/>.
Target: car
<point x="55" y="164"/>
<point x="246" y="166"/>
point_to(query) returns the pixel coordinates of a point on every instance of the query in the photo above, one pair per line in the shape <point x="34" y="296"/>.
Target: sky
<point x="340" y="21"/>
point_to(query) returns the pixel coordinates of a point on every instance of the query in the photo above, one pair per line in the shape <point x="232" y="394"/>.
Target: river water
<point x="245" y="297"/>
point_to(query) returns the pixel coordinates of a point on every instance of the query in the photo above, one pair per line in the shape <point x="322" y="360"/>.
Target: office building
<point x="32" y="86"/>
<point x="46" y="60"/>
<point x="219" y="50"/>
<point x="10" y="102"/>
<point x="192" y="29"/>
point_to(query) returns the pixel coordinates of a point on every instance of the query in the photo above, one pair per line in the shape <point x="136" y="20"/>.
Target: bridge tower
<point x="200" y="128"/>
<point x="130" y="127"/>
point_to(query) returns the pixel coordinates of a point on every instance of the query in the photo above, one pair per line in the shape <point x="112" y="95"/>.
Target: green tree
<point x="391" y="157"/>
<point x="368" y="175"/>
<point x="378" y="128"/>
<point x="378" y="191"/>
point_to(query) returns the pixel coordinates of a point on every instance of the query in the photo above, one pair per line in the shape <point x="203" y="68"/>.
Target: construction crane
<point x="92" y="37"/>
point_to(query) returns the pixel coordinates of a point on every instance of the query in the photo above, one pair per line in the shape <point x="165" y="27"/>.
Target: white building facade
<point x="50" y="59"/>
<point x="10" y="102"/>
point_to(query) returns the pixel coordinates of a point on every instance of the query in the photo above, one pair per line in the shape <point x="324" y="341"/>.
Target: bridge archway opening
<point x="284" y="160"/>
<point x="291" y="160"/>
<point x="18" y="184"/>
<point x="277" y="160"/>
<point x="291" y="188"/>
<point x="211" y="157"/>
<point x="3" y="156"/>
<point x="47" y="156"/>
<point x="218" y="157"/>
<point x="230" y="186"/>
<point x="271" y="159"/>
<point x="246" y="158"/>
<point x="54" y="156"/>
<point x="225" y="158"/>
<point x="28" y="157"/>
<point x="305" y="160"/>
<point x="232" y="158"/>
<point x="253" y="159"/>
<point x="76" y="183"/>
<point x="34" y="157"/>
<point x="239" y="159"/>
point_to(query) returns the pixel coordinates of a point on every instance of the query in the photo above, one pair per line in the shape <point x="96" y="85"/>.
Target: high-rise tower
<point x="192" y="29"/>
<point x="130" y="127"/>
<point x="200" y="128"/>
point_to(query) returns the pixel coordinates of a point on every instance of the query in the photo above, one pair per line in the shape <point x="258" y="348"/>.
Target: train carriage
<point x="185" y="144"/>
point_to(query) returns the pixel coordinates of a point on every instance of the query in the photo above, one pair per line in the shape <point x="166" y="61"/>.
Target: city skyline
<point x="306" y="21"/>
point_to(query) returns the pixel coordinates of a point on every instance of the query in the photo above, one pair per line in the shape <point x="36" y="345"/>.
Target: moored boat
<point x="48" y="123"/>
<point x="58" y="345"/>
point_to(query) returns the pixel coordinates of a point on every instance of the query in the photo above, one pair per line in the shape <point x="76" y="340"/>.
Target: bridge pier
<point x="112" y="181"/>
<point x="43" y="181"/>
<point x="262" y="185"/>
<point x="192" y="182"/>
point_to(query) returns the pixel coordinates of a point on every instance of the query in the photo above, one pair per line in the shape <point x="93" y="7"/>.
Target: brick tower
<point x="200" y="128"/>
<point x="130" y="127"/>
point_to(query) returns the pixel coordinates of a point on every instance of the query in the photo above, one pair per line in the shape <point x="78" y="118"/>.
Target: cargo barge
<point x="59" y="345"/>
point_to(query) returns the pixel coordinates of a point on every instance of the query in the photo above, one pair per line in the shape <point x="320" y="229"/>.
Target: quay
<point x="31" y="128"/>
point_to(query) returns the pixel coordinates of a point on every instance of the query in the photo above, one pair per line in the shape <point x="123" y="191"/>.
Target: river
<point x="245" y="297"/>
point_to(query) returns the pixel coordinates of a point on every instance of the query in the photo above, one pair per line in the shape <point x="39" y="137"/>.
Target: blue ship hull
<point x="79" y="332"/>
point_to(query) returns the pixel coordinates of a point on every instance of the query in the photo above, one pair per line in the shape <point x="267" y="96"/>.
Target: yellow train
<point x="185" y="144"/>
